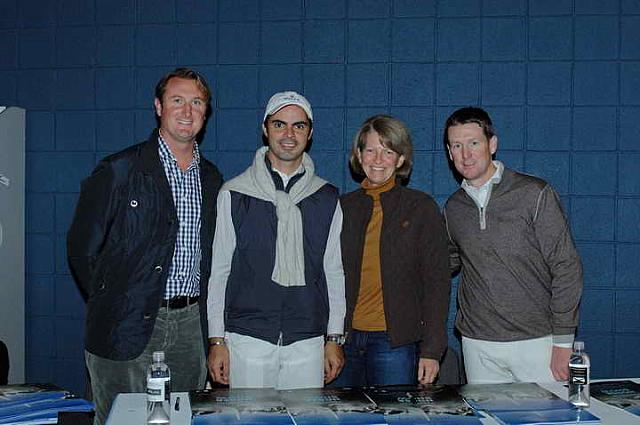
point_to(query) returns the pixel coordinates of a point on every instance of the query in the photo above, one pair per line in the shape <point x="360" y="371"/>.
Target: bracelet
<point x="217" y="342"/>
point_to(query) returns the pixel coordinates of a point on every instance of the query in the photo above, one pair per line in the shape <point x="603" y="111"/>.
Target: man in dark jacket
<point x="140" y="249"/>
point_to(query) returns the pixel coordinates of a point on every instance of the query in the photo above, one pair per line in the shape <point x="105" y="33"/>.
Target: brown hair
<point x="187" y="74"/>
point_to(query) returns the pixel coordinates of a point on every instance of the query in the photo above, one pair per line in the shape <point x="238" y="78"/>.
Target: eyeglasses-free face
<point x="471" y="152"/>
<point x="288" y="131"/>
<point x="379" y="163"/>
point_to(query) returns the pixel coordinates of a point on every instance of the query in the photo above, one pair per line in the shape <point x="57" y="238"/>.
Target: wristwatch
<point x="217" y="341"/>
<point x="337" y="339"/>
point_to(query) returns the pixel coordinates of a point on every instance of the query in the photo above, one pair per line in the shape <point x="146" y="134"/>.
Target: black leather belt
<point x="180" y="302"/>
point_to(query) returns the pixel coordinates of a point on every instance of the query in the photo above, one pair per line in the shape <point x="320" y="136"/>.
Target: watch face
<point x="338" y="339"/>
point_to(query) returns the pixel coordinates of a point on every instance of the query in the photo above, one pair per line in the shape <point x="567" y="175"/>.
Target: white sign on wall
<point x="12" y="232"/>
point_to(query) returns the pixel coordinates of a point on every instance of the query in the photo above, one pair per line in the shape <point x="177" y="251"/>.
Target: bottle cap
<point x="158" y="356"/>
<point x="578" y="345"/>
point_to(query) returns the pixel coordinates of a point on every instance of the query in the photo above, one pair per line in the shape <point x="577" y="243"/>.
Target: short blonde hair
<point x="393" y="134"/>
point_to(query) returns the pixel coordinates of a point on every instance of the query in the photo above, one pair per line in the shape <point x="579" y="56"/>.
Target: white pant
<point x="255" y="363"/>
<point x="491" y="362"/>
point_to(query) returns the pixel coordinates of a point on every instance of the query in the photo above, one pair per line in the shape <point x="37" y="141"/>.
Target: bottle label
<point x="156" y="389"/>
<point x="578" y="374"/>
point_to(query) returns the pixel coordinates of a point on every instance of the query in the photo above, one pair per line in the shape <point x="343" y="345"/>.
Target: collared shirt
<point x="481" y="194"/>
<point x="286" y="178"/>
<point x="184" y="274"/>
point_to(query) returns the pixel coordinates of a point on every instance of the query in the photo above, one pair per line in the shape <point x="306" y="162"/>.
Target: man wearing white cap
<point x="276" y="303"/>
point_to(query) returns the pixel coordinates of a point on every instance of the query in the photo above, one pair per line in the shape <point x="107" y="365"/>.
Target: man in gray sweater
<point x="521" y="277"/>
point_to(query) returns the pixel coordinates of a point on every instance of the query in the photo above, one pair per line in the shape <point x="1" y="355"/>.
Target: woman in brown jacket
<point x="395" y="259"/>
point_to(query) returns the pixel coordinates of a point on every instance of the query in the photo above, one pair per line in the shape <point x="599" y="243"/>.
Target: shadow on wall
<point x="4" y="363"/>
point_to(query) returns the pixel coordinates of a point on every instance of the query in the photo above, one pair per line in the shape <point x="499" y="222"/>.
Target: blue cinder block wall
<point x="560" y="77"/>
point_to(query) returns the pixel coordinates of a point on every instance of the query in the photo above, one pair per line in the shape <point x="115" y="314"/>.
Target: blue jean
<point x="370" y="360"/>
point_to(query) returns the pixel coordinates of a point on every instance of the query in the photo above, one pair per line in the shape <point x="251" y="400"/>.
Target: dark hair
<point x="393" y="134"/>
<point x="187" y="74"/>
<point x="470" y="114"/>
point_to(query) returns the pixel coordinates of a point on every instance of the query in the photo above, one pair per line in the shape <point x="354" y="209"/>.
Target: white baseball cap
<point x="286" y="98"/>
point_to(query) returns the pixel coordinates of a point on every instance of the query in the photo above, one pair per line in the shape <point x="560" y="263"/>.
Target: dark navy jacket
<point x="121" y="242"/>
<point x="254" y="304"/>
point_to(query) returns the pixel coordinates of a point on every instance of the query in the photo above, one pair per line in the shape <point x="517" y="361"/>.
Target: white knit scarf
<point x="256" y="181"/>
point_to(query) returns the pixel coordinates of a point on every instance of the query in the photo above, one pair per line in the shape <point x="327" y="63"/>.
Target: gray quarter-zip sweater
<point x="521" y="276"/>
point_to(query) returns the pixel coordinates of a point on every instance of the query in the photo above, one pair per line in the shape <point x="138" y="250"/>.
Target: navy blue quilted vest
<point x="255" y="305"/>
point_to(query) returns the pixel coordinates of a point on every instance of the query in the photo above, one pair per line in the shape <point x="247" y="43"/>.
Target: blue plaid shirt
<point x="184" y="274"/>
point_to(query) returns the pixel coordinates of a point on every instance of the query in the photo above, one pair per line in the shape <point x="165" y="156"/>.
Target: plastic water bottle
<point x="579" y="376"/>
<point x="158" y="389"/>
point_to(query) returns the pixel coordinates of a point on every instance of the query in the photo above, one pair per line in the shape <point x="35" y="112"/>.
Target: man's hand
<point x="218" y="363"/>
<point x="560" y="363"/>
<point x="333" y="361"/>
<point x="427" y="370"/>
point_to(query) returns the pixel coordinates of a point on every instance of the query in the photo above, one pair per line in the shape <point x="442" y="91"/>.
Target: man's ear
<point x="449" y="152"/>
<point x="493" y="144"/>
<point x="158" y="106"/>
<point x="264" y="130"/>
<point x="310" y="134"/>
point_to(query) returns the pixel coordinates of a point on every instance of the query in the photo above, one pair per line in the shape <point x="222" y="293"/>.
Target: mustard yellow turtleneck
<point x="369" y="311"/>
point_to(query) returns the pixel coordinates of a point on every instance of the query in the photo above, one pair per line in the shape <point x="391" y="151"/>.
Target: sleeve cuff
<point x="563" y="341"/>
